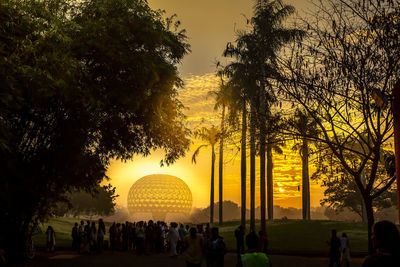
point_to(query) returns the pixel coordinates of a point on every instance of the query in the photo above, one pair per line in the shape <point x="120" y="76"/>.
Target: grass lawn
<point x="298" y="235"/>
<point x="283" y="235"/>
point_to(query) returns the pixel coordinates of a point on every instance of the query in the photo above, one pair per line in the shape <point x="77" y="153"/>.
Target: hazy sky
<point x="210" y="25"/>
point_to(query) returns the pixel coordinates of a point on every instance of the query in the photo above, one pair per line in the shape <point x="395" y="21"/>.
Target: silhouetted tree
<point x="303" y="127"/>
<point x="241" y="80"/>
<point x="98" y="202"/>
<point x="350" y="55"/>
<point x="223" y="98"/>
<point x="341" y="191"/>
<point x="81" y="84"/>
<point x="274" y="141"/>
<point x="210" y="136"/>
<point x="270" y="36"/>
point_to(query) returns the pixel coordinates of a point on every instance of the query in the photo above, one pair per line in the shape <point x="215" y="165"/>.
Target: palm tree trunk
<point x="252" y="167"/>
<point x="262" y="157"/>
<point x="270" y="183"/>
<point x="306" y="181"/>
<point x="212" y="185"/>
<point x="221" y="164"/>
<point x="243" y="166"/>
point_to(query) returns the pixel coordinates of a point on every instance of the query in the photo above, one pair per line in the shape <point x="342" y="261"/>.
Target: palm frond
<point x="196" y="153"/>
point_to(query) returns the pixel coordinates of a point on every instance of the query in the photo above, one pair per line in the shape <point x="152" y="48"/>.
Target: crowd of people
<point x="194" y="243"/>
<point x="199" y="243"/>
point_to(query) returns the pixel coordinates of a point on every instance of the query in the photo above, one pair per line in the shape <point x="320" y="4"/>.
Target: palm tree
<point x="305" y="128"/>
<point x="269" y="36"/>
<point x="222" y="100"/>
<point x="273" y="144"/>
<point x="243" y="85"/>
<point x="243" y="165"/>
<point x="210" y="136"/>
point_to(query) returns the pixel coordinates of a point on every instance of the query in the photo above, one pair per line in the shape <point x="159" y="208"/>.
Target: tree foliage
<point x="99" y="202"/>
<point x="350" y="54"/>
<point x="81" y="83"/>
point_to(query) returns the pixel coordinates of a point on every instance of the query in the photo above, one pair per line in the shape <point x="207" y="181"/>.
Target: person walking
<point x="345" y="250"/>
<point x="75" y="237"/>
<point x="239" y="236"/>
<point x="182" y="233"/>
<point x="173" y="237"/>
<point x="140" y="235"/>
<point x="386" y="241"/>
<point x="253" y="258"/>
<point x="334" y="251"/>
<point x="93" y="237"/>
<point x="100" y="235"/>
<point x="51" y="239"/>
<point x="193" y="244"/>
<point x="81" y="233"/>
<point x="215" y="249"/>
<point x="112" y="233"/>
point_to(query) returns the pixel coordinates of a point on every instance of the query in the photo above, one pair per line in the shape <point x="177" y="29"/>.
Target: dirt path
<point x="125" y="259"/>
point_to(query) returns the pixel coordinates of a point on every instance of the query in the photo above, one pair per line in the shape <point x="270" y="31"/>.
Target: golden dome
<point x="159" y="194"/>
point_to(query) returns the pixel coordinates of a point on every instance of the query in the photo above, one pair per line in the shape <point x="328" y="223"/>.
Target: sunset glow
<point x="199" y="106"/>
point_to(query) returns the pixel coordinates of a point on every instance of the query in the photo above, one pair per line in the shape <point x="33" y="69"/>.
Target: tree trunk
<point x="306" y="181"/>
<point x="270" y="183"/>
<point x="364" y="217"/>
<point x="15" y="232"/>
<point x="262" y="158"/>
<point x="212" y="185"/>
<point x="252" y="166"/>
<point x="243" y="166"/>
<point x="221" y="165"/>
<point x="370" y="220"/>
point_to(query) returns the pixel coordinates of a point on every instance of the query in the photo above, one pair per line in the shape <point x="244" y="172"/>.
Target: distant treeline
<point x="232" y="213"/>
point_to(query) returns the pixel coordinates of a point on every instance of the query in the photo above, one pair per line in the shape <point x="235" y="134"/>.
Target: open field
<point x="285" y="236"/>
<point x="292" y="236"/>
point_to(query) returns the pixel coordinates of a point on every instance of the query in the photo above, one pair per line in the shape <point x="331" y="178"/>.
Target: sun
<point x="281" y="189"/>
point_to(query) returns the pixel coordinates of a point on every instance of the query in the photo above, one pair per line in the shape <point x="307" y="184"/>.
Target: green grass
<point x="63" y="229"/>
<point x="283" y="235"/>
<point x="298" y="235"/>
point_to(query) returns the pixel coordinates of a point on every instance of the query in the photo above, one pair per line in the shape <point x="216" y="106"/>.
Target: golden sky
<point x="210" y="24"/>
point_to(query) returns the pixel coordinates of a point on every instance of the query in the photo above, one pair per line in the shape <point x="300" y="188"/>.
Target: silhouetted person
<point x="159" y="241"/>
<point x="386" y="241"/>
<point x="334" y="251"/>
<point x="345" y="249"/>
<point x="262" y="242"/>
<point x="123" y="237"/>
<point x="100" y="235"/>
<point x="50" y="239"/>
<point x="239" y="236"/>
<point x="173" y="237"/>
<point x="194" y="244"/>
<point x="200" y="229"/>
<point x="75" y="237"/>
<point x="253" y="258"/>
<point x="132" y="236"/>
<point x="140" y="236"/>
<point x="81" y="232"/>
<point x="215" y="249"/>
<point x="112" y="231"/>
<point x="182" y="234"/>
<point x="93" y="237"/>
<point x="118" y="237"/>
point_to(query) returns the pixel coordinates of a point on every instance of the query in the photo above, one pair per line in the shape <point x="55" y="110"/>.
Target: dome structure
<point x="159" y="194"/>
